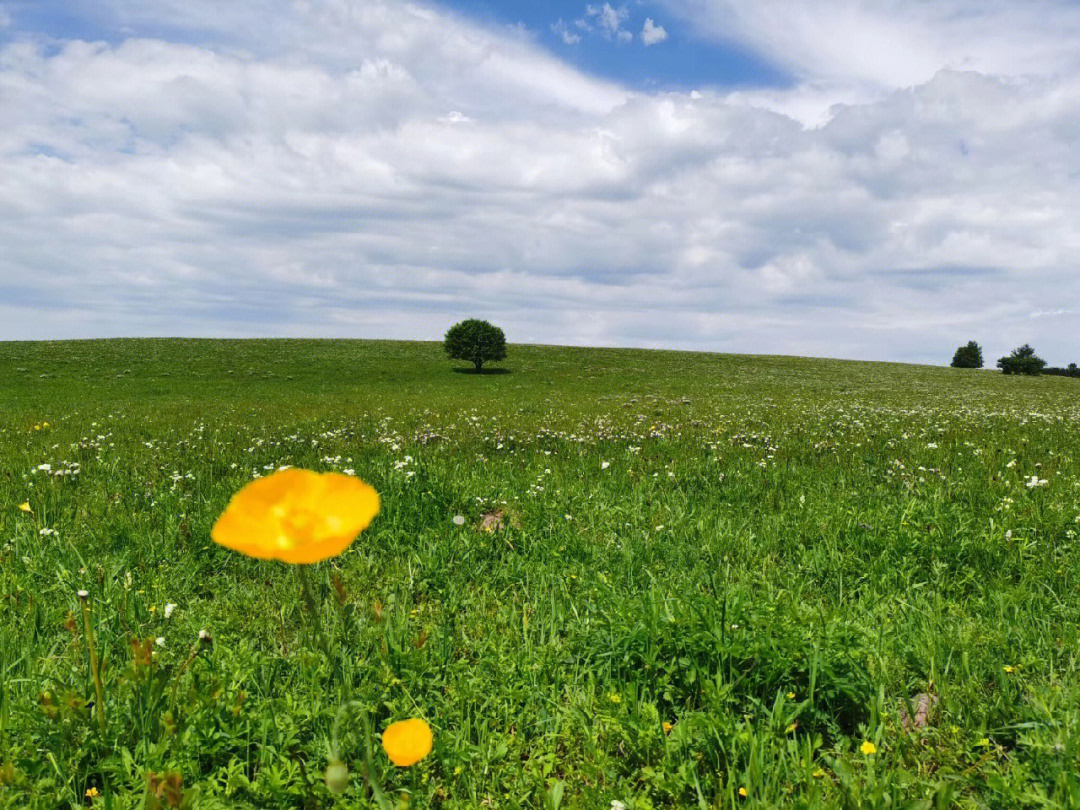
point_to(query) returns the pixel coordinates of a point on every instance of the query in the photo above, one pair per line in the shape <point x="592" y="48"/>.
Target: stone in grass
<point x="923" y="706"/>
<point x="492" y="521"/>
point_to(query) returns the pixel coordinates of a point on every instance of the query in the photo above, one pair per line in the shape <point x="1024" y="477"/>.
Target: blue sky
<point x="574" y="31"/>
<point x="879" y="180"/>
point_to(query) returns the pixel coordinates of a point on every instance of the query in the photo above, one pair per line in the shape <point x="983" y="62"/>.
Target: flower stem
<point x="315" y="616"/>
<point x="368" y="770"/>
<point x="84" y="599"/>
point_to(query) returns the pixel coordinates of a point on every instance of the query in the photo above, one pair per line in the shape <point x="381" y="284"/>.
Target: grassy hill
<point x="714" y="574"/>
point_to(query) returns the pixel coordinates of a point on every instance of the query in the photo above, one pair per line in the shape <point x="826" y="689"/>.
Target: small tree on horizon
<point x="969" y="356"/>
<point x="1022" y="360"/>
<point x="476" y="341"/>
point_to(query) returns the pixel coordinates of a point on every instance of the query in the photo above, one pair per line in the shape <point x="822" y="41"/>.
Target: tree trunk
<point x="478" y="364"/>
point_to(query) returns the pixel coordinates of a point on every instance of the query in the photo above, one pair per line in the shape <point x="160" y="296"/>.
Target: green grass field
<point x="774" y="556"/>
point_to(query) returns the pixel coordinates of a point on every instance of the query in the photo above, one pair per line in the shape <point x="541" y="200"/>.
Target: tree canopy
<point x="1022" y="360"/>
<point x="476" y="341"/>
<point x="969" y="356"/>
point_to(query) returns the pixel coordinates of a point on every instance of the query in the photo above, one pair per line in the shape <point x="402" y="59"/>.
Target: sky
<point x="869" y="179"/>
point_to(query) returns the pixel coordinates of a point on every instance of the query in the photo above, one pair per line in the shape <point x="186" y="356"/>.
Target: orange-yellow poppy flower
<point x="407" y="742"/>
<point x="297" y="516"/>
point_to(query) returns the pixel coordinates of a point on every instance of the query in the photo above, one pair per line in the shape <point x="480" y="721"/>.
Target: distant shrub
<point x="475" y="341"/>
<point x="1070" y="371"/>
<point x="969" y="356"/>
<point x="1023" y="360"/>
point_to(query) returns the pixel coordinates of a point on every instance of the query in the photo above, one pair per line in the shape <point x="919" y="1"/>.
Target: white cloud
<point x="872" y="45"/>
<point x="609" y="18"/>
<point x="652" y="34"/>
<point x="565" y="34"/>
<point x="610" y="21"/>
<point x="282" y="184"/>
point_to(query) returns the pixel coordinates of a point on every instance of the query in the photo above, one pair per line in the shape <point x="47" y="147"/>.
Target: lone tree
<point x="1023" y="360"/>
<point x="969" y="356"/>
<point x="476" y="341"/>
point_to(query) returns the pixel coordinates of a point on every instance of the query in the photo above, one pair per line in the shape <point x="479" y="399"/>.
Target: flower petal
<point x="297" y="516"/>
<point x="407" y="741"/>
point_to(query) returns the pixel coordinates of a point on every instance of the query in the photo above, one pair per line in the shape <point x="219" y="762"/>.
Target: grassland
<point x="773" y="556"/>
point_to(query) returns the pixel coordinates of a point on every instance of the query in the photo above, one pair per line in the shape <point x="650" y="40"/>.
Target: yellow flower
<point x="91" y="792"/>
<point x="614" y="697"/>
<point x="25" y="507"/>
<point x="790" y="695"/>
<point x="792" y="727"/>
<point x="1009" y="670"/>
<point x="868" y="748"/>
<point x="297" y="516"/>
<point x="742" y="792"/>
<point x="407" y="742"/>
<point x="668" y="727"/>
<point x="818" y="773"/>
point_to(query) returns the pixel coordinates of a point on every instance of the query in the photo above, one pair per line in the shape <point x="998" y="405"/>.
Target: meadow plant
<point x="677" y="580"/>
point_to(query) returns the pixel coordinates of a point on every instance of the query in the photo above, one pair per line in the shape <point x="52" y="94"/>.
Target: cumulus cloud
<point x="609" y="21"/>
<point x="652" y="34"/>
<point x="376" y="169"/>
<point x="565" y="34"/>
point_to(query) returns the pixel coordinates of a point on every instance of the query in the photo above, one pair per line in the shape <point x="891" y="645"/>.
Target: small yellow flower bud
<point x="337" y="777"/>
